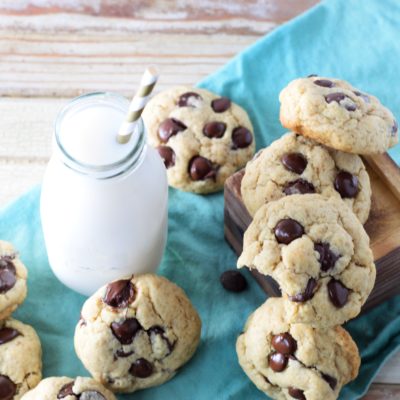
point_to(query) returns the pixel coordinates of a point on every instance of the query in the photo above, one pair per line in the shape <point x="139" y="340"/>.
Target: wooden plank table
<point x="53" y="50"/>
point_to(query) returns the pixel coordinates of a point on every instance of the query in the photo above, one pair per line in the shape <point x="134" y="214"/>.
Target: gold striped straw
<point x="149" y="79"/>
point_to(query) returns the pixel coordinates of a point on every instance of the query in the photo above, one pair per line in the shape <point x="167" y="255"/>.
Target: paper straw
<point x="149" y="79"/>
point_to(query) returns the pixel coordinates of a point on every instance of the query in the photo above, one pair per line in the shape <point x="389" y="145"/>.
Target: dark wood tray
<point x="383" y="226"/>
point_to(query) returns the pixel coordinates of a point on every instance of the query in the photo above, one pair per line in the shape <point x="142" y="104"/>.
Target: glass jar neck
<point x="102" y="170"/>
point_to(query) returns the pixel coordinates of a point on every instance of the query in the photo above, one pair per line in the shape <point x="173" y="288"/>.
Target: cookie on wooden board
<point x="333" y="112"/>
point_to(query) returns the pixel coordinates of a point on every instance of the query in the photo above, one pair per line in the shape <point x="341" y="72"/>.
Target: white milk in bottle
<point x="103" y="204"/>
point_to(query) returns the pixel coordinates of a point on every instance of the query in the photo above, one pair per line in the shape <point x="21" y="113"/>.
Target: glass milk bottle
<point x="103" y="204"/>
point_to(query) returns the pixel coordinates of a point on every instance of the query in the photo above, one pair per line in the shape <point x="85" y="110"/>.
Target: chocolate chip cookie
<point x="318" y="252"/>
<point x="202" y="138"/>
<point x="69" y="389"/>
<point x="334" y="113"/>
<point x="295" y="361"/>
<point x="294" y="164"/>
<point x="20" y="359"/>
<point x="135" y="333"/>
<point x="13" y="275"/>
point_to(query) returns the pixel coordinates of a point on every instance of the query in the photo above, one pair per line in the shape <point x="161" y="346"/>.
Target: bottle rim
<point x="100" y="171"/>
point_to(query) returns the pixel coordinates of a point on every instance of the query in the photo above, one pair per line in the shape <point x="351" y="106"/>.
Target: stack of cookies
<point x="20" y="349"/>
<point x="309" y="195"/>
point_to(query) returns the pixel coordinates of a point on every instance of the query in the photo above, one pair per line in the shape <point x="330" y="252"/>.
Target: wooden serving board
<point x="383" y="226"/>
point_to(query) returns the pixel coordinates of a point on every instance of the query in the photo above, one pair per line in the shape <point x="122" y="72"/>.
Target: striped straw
<point x="149" y="79"/>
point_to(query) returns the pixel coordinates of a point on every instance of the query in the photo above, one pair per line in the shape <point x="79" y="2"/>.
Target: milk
<point x="103" y="204"/>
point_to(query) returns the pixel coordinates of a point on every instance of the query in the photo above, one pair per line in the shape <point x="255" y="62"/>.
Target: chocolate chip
<point x="296" y="393"/>
<point x="338" y="293"/>
<point x="324" y="83"/>
<point x="189" y="99"/>
<point x="299" y="186"/>
<point x="158" y="330"/>
<point x="277" y="362"/>
<point x="141" y="368"/>
<point x="7" y="388"/>
<point x="362" y="95"/>
<point x="126" y="330"/>
<point x="241" y="138"/>
<point x="308" y="293"/>
<point x="338" y="97"/>
<point x="327" y="258"/>
<point x="170" y="127"/>
<point x="350" y="107"/>
<point x="287" y="230"/>
<point x="66" y="390"/>
<point x="7" y="274"/>
<point x="200" y="168"/>
<point x="220" y="105"/>
<point x="119" y="293"/>
<point x="394" y="128"/>
<point x="8" y="334"/>
<point x="294" y="162"/>
<point x="214" y="129"/>
<point x="312" y="76"/>
<point x="123" y="354"/>
<point x="346" y="184"/>
<point x="91" y="395"/>
<point x="167" y="155"/>
<point x="284" y="343"/>
<point x="332" y="382"/>
<point x="233" y="281"/>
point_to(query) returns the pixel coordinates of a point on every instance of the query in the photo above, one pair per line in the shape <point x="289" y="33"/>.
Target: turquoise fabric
<point x="355" y="40"/>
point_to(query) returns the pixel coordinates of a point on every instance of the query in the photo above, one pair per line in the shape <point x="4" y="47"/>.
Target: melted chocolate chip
<point x="91" y="395"/>
<point x="189" y="99"/>
<point x="332" y="382"/>
<point x="141" y="368"/>
<point x="200" y="168"/>
<point x="338" y="97"/>
<point x="346" y="184"/>
<point x="296" y="393"/>
<point x="167" y="155"/>
<point x="338" y="293"/>
<point x="7" y="388"/>
<point x="123" y="354"/>
<point x="233" y="281"/>
<point x="362" y="95"/>
<point x="126" y="331"/>
<point x="241" y="138"/>
<point x="327" y="258"/>
<point x="287" y="230"/>
<point x="170" y="127"/>
<point x="299" y="186"/>
<point x="7" y="274"/>
<point x="8" y="334"/>
<point x="214" y="129"/>
<point x="119" y="293"/>
<point x="66" y="390"/>
<point x="220" y="105"/>
<point x="284" y="343"/>
<point x="394" y="128"/>
<point x="294" y="162"/>
<point x="277" y="362"/>
<point x="324" y="83"/>
<point x="308" y="293"/>
<point x="158" y="330"/>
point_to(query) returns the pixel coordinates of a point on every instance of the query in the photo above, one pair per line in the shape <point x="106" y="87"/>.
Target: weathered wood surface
<point x="55" y="49"/>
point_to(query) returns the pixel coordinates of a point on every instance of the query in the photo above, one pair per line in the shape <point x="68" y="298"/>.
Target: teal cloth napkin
<point x="345" y="38"/>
